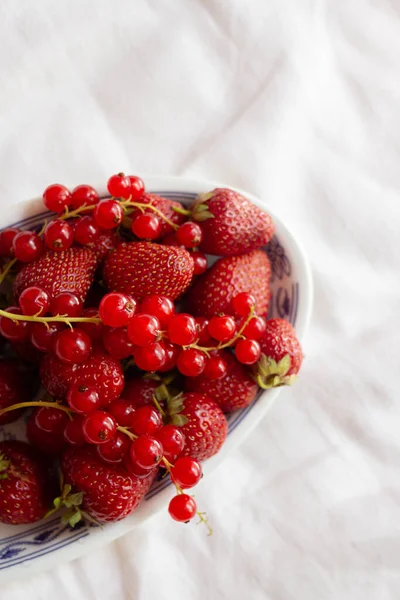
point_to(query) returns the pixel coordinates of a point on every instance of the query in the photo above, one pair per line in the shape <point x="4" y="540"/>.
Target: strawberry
<point x="213" y="291"/>
<point x="107" y="493"/>
<point x="202" y="422"/>
<point x="234" y="391"/>
<point x="26" y="484"/>
<point x="166" y="207"/>
<point x="281" y="357"/>
<point x="143" y="268"/>
<point x="231" y="224"/>
<point x="100" y="370"/>
<point x="14" y="388"/>
<point x="71" y="270"/>
<point x="140" y="391"/>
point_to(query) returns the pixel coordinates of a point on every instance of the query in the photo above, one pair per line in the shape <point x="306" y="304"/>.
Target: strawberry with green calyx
<point x="231" y="224"/>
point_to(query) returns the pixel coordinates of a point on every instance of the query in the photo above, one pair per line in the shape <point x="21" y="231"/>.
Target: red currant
<point x="172" y="440"/>
<point x="137" y="187"/>
<point x="82" y="398"/>
<point x="143" y="329"/>
<point x="14" y="331"/>
<point x="117" y="309"/>
<point x="84" y="195"/>
<point x="134" y="469"/>
<point x="182" y="508"/>
<point x="255" y="328"/>
<point x="215" y="368"/>
<point x="146" y="420"/>
<point x="147" y="226"/>
<point x="73" y="431"/>
<point x="171" y="356"/>
<point x="191" y="362"/>
<point x="243" y="303"/>
<point x="66" y="304"/>
<point x="93" y="330"/>
<point x="200" y="263"/>
<point x="186" y="472"/>
<point x="72" y="346"/>
<point x="56" y="197"/>
<point x="146" y="452"/>
<point x="189" y="234"/>
<point x="222" y="328"/>
<point x="248" y="351"/>
<point x="27" y="246"/>
<point x="122" y="410"/>
<point x="86" y="230"/>
<point x="149" y="358"/>
<point x="203" y="336"/>
<point x="34" y="301"/>
<point x="119" y="186"/>
<point x="114" y="450"/>
<point x="117" y="343"/>
<point x="42" y="336"/>
<point x="52" y="443"/>
<point x="182" y="329"/>
<point x="58" y="235"/>
<point x="108" y="214"/>
<point x="99" y="427"/>
<point x="51" y="420"/>
<point x="6" y="241"/>
<point x="160" y="307"/>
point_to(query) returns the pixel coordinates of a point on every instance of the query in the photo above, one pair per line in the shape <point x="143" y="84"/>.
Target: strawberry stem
<point x="182" y="211"/>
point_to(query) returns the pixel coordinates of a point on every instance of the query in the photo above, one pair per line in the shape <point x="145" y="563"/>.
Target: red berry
<point x="84" y="194"/>
<point x="114" y="450"/>
<point x="94" y="330"/>
<point x="203" y="336"/>
<point x="86" y="230"/>
<point x="56" y="197"/>
<point x="14" y="331"/>
<point x="117" y="343"/>
<point x="200" y="263"/>
<point x="182" y="329"/>
<point x="34" y="301"/>
<point x="66" y="304"/>
<point x="108" y="214"/>
<point x="248" y="351"/>
<point x="149" y="358"/>
<point x="191" y="362"/>
<point x="147" y="226"/>
<point x="137" y="187"/>
<point x="51" y="443"/>
<point x="134" y="469"/>
<point x="146" y="452"/>
<point x="189" y="234"/>
<point x="172" y="440"/>
<point x="222" y="328"/>
<point x="58" y="235"/>
<point x="146" y="420"/>
<point x="255" y="328"/>
<point x="171" y="356"/>
<point x="117" y="309"/>
<point x="6" y="241"/>
<point x="83" y="399"/>
<point x="122" y="410"/>
<point x="99" y="427"/>
<point x="170" y="240"/>
<point x="42" y="336"/>
<point x="72" y="346"/>
<point x="215" y="368"/>
<point x="119" y="186"/>
<point x="160" y="307"/>
<point x="27" y="246"/>
<point x="186" y="472"/>
<point x="73" y="431"/>
<point x="143" y="329"/>
<point x="182" y="508"/>
<point x="242" y="303"/>
<point x="51" y="420"/>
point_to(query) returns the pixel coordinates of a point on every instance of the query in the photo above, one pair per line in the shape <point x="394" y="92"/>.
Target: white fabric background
<point x="297" y="101"/>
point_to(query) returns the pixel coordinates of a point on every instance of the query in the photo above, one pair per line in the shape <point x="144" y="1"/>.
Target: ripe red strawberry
<point x="140" y="391"/>
<point x="231" y="224"/>
<point x="281" y="357"/>
<point x="71" y="270"/>
<point x="143" y="268"/>
<point x="14" y="388"/>
<point x="204" y="424"/>
<point x="100" y="370"/>
<point x="109" y="492"/>
<point x="26" y="484"/>
<point x="213" y="291"/>
<point x="166" y="207"/>
<point x="234" y="391"/>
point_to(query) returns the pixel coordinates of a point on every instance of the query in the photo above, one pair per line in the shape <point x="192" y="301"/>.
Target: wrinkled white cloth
<point x="298" y="102"/>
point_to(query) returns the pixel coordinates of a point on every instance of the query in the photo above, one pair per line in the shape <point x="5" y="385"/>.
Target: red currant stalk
<point x="57" y="319"/>
<point x="42" y="403"/>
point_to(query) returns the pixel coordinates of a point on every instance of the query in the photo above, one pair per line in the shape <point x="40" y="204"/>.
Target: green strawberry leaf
<point x="179" y="420"/>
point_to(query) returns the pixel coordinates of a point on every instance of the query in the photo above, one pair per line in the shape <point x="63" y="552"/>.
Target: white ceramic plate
<point x="25" y="550"/>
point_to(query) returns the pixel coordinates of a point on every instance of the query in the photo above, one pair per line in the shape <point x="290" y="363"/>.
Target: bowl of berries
<point x="144" y="331"/>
